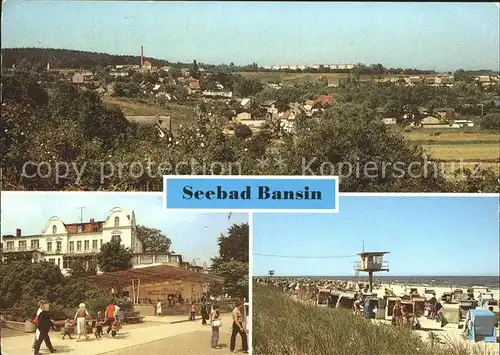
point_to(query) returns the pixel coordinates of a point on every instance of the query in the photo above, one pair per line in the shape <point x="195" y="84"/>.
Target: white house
<point x="64" y="244"/>
<point x="462" y="123"/>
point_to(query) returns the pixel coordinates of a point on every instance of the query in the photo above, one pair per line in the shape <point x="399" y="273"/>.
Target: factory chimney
<point x="142" y="56"/>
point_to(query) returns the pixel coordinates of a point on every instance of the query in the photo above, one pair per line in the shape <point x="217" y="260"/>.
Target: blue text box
<point x="252" y="193"/>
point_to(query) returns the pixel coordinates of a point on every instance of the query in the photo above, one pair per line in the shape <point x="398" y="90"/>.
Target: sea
<point x="457" y="281"/>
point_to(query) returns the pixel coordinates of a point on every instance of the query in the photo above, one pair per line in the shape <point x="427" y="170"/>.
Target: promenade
<point x="156" y="336"/>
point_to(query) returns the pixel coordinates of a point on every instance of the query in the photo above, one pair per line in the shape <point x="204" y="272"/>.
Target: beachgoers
<point x="238" y="329"/>
<point x="110" y="315"/>
<point x="215" y="321"/>
<point x="81" y="317"/>
<point x="44" y="324"/>
<point x="397" y="314"/>
<point x="358" y="305"/>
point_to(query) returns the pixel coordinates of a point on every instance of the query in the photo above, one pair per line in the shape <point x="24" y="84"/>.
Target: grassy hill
<point x="284" y="326"/>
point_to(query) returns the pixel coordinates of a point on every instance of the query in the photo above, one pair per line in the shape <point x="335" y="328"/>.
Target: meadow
<point x="470" y="146"/>
<point x="284" y="326"/>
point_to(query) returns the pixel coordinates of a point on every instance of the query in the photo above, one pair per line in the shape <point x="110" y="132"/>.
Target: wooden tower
<point x="371" y="262"/>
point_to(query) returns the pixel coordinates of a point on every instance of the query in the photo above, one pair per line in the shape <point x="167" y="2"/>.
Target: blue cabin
<point x="480" y="325"/>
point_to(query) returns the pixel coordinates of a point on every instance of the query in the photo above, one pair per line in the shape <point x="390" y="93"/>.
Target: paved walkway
<point x="153" y="337"/>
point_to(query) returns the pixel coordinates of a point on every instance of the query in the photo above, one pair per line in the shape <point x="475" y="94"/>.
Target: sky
<point x="426" y="236"/>
<point x="194" y="235"/>
<point x="439" y="36"/>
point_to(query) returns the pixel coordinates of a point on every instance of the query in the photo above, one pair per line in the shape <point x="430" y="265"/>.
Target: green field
<point x="470" y="145"/>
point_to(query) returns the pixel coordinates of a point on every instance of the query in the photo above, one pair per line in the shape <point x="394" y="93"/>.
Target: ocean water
<point x="458" y="281"/>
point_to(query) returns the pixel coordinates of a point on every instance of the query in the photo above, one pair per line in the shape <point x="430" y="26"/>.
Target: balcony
<point x="81" y="252"/>
<point x="22" y="249"/>
<point x="56" y="251"/>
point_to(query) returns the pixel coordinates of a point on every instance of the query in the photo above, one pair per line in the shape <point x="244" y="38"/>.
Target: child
<point x="68" y="328"/>
<point x="98" y="325"/>
<point x="192" y="313"/>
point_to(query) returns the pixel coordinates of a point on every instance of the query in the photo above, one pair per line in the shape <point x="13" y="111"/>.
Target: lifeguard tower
<point x="371" y="262"/>
<point x="271" y="273"/>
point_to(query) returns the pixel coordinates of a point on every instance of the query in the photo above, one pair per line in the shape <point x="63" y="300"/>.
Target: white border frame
<point x="252" y="177"/>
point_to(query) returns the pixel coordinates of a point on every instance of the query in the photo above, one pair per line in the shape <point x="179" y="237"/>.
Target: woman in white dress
<point x="158" y="308"/>
<point x="81" y="317"/>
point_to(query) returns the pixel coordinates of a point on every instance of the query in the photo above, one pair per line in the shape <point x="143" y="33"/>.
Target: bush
<point x="491" y="121"/>
<point x="19" y="299"/>
<point x="242" y="131"/>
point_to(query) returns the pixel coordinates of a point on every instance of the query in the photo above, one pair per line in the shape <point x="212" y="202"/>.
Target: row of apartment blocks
<point x="63" y="244"/>
<point x="307" y="66"/>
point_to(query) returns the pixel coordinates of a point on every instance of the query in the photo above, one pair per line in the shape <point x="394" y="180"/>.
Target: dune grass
<point x="284" y="326"/>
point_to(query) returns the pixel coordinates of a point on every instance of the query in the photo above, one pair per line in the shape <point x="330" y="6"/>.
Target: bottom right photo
<point x="388" y="274"/>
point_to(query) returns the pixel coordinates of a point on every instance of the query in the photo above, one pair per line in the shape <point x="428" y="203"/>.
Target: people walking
<point x="44" y="324"/>
<point x="81" y="317"/>
<point x="204" y="313"/>
<point x="238" y="329"/>
<point x="110" y="315"/>
<point x="215" y="321"/>
<point x="35" y="320"/>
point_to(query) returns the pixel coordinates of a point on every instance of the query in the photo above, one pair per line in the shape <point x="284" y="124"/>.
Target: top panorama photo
<point x="391" y="97"/>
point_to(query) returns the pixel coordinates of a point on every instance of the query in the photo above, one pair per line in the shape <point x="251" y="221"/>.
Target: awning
<point x="152" y="275"/>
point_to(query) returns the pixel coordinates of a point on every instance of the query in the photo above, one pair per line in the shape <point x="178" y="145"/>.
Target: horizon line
<point x="353" y="62"/>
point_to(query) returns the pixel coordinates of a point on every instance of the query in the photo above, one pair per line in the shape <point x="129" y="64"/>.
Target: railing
<point x="371" y="266"/>
<point x="21" y="249"/>
<point x="80" y="252"/>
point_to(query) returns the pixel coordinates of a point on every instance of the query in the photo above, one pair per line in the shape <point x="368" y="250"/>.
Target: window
<point x="94" y="244"/>
<point x="22" y="245"/>
<point x="59" y="262"/>
<point x="115" y="238"/>
<point x="101" y="243"/>
<point x="49" y="246"/>
<point x="117" y="221"/>
<point x="80" y="229"/>
<point x="58" y="246"/>
<point x="34" y="244"/>
<point x="79" y="245"/>
<point x="54" y="229"/>
<point x="71" y="246"/>
<point x="86" y="245"/>
<point x="52" y="260"/>
<point x="10" y="245"/>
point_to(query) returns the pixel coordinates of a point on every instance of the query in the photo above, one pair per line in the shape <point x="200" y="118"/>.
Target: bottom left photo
<point x="114" y="273"/>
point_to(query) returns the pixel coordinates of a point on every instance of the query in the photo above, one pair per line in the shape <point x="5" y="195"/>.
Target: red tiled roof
<point x="325" y="99"/>
<point x="287" y="114"/>
<point x="194" y="84"/>
<point x="86" y="227"/>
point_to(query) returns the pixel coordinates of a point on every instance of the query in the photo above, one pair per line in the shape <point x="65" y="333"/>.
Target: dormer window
<point x="54" y="229"/>
<point x="117" y="221"/>
<point x="80" y="229"/>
